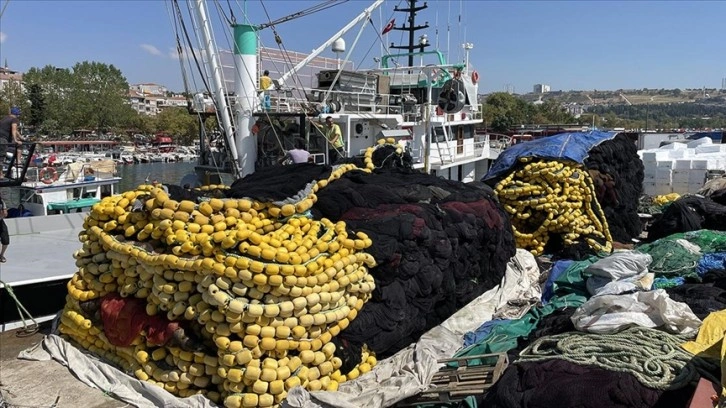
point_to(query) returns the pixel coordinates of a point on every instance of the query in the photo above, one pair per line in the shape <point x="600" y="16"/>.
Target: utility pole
<point x="412" y="28"/>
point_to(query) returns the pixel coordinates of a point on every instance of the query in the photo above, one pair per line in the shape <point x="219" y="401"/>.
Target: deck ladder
<point x="443" y="147"/>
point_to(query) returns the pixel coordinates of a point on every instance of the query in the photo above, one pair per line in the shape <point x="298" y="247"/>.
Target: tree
<point x="182" y="126"/>
<point x="502" y="111"/>
<point x="11" y="94"/>
<point x="55" y="86"/>
<point x="99" y="96"/>
<point x="37" y="105"/>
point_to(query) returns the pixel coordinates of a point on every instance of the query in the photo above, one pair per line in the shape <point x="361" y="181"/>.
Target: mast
<point x="245" y="54"/>
<point x="412" y="28"/>
<point x="215" y="70"/>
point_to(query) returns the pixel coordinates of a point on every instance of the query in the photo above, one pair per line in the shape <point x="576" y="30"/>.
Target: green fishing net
<point x="678" y="254"/>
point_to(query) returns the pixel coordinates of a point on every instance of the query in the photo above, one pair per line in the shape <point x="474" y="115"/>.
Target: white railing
<point x="284" y="101"/>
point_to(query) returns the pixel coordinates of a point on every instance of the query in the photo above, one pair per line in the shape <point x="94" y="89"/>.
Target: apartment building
<point x="150" y="99"/>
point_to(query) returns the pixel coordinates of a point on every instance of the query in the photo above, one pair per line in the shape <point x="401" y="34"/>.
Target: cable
<point x="306" y="12"/>
<point x="23" y="313"/>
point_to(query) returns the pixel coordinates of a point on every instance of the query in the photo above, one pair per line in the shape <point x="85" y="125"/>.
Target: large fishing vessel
<point x="426" y="103"/>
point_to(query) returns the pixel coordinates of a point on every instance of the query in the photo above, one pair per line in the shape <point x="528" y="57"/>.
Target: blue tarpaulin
<point x="573" y="146"/>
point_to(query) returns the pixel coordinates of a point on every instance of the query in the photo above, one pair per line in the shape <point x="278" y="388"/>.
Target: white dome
<point x="339" y="45"/>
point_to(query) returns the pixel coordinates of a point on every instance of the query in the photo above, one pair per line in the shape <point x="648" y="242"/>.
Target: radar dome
<point x="339" y="45"/>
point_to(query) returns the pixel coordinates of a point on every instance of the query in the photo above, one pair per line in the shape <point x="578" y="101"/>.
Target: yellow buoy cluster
<point x="267" y="287"/>
<point x="666" y="198"/>
<point x="547" y="197"/>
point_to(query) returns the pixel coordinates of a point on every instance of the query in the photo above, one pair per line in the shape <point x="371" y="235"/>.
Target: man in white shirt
<point x="297" y="155"/>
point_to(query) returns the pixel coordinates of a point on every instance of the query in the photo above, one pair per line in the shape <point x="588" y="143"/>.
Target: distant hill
<point x="632" y="96"/>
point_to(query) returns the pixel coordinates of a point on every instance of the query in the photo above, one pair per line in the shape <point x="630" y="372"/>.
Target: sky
<point x="569" y="45"/>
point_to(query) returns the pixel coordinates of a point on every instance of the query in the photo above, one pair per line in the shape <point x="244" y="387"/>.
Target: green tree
<point x="11" y="95"/>
<point x="502" y="111"/>
<point x="551" y="111"/>
<point x="99" y="96"/>
<point x="177" y="122"/>
<point x="55" y="87"/>
<point x="37" y="105"/>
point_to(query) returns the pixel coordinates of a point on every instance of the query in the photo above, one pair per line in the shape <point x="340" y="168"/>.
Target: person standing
<point x="336" y="149"/>
<point x="265" y="85"/>
<point x="265" y="81"/>
<point x="10" y="136"/>
<point x="4" y="234"/>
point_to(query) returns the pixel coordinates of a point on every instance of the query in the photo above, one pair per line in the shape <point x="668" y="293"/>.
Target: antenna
<point x="412" y="28"/>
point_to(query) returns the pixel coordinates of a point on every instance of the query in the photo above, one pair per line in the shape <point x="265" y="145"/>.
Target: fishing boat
<point x="53" y="202"/>
<point x="427" y="104"/>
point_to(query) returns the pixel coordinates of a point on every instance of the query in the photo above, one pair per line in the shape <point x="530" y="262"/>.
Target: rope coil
<point x="654" y="357"/>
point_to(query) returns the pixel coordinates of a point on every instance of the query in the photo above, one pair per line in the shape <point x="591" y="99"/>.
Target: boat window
<point x="106" y="190"/>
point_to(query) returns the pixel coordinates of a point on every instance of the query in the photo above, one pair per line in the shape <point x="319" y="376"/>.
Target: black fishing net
<point x="617" y="173"/>
<point x="438" y="244"/>
<point x="560" y="383"/>
<point x="701" y="298"/>
<point x="277" y="182"/>
<point x="689" y="213"/>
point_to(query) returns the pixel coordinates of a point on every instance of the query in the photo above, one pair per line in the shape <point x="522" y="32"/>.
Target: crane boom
<point x="279" y="82"/>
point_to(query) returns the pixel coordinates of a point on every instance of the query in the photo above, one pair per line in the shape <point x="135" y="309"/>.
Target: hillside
<point x="633" y="96"/>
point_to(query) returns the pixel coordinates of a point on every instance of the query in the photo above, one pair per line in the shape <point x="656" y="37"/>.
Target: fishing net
<point x="241" y="293"/>
<point x="618" y="173"/>
<point x="438" y="244"/>
<point x="678" y="255"/>
<point x="553" y="207"/>
<point x="689" y="213"/>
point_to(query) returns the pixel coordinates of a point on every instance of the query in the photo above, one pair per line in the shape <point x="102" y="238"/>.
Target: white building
<point x="541" y="88"/>
<point x="149" y="89"/>
<point x="150" y="99"/>
<point x="7" y="75"/>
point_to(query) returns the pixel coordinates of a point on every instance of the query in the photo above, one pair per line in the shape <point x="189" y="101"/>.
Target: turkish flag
<point x="388" y="27"/>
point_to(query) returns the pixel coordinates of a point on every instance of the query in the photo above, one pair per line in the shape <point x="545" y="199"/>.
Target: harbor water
<point x="132" y="175"/>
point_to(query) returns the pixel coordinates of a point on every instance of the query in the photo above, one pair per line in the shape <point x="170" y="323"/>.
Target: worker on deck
<point x="296" y="155"/>
<point x="334" y="136"/>
<point x="265" y="85"/>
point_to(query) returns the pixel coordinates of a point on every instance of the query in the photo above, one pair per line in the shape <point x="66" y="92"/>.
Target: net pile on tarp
<point x="238" y="298"/>
<point x="614" y="181"/>
<point x="677" y="256"/>
<point x="437" y="244"/>
<point x="241" y="294"/>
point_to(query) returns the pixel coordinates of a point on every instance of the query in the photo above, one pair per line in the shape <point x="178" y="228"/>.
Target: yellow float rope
<point x="547" y="197"/>
<point x="269" y="286"/>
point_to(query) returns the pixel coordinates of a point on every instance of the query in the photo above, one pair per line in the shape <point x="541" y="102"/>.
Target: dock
<point x="39" y="264"/>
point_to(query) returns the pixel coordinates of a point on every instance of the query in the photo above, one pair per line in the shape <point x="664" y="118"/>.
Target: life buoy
<point x="475" y="77"/>
<point x="48" y="175"/>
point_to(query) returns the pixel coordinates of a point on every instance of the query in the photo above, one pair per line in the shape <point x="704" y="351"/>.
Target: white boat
<point x="430" y="108"/>
<point x="71" y="188"/>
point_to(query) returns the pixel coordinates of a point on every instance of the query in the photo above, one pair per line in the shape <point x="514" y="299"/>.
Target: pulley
<point x="452" y="98"/>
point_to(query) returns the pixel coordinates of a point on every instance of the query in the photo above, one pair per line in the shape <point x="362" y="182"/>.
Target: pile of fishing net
<point x="572" y="193"/>
<point x="552" y="199"/>
<point x="688" y="256"/>
<point x="242" y="293"/>
<point x="437" y="244"/>
<point x="617" y="173"/>
<point x="688" y="213"/>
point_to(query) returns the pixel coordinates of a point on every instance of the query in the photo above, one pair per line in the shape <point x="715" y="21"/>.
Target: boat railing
<point x="364" y="102"/>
